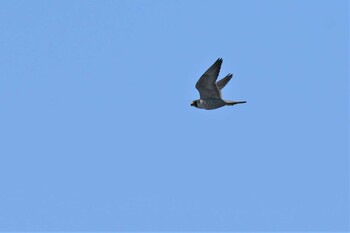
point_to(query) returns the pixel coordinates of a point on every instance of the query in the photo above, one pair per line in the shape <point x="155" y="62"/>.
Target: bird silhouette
<point x="210" y="90"/>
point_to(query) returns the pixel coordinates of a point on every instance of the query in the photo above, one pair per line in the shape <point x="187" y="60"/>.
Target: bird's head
<point x="195" y="103"/>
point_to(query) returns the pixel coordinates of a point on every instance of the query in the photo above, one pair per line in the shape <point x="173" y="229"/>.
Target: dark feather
<point x="206" y="84"/>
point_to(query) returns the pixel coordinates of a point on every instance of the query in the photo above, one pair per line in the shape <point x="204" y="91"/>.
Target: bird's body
<point x="210" y="90"/>
<point x="209" y="103"/>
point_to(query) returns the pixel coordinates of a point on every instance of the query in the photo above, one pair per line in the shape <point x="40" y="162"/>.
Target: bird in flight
<point x="210" y="90"/>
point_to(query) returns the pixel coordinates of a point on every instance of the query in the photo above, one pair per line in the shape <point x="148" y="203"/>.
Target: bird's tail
<point x="231" y="103"/>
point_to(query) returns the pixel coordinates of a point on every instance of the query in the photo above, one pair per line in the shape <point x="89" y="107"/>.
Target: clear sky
<point x="97" y="132"/>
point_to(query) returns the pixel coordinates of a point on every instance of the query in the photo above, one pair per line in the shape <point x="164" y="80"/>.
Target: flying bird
<point x="210" y="90"/>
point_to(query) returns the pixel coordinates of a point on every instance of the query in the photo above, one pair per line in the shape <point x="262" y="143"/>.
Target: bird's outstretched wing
<point x="206" y="84"/>
<point x="222" y="83"/>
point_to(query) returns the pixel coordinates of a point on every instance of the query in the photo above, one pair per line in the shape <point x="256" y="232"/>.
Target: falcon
<point x="210" y="90"/>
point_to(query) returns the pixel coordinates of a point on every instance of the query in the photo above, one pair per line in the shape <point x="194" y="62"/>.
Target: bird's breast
<point x="212" y="103"/>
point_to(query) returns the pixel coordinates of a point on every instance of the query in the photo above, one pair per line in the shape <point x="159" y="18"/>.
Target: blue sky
<point x="97" y="132"/>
